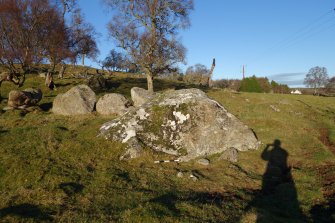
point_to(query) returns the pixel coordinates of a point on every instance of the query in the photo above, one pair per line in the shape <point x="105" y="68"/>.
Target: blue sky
<point x="279" y="39"/>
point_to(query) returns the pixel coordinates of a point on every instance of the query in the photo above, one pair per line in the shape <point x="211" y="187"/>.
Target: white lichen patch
<point x="142" y="114"/>
<point x="151" y="136"/>
<point x="181" y="118"/>
<point x="170" y="124"/>
<point x="129" y="133"/>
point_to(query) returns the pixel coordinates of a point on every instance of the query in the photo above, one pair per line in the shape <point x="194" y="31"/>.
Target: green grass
<point x="54" y="168"/>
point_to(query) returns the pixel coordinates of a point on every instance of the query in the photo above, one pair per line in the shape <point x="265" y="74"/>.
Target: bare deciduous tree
<point x="82" y="38"/>
<point x="115" y="61"/>
<point x="197" y="74"/>
<point x="317" y="77"/>
<point x="55" y="44"/>
<point x="66" y="6"/>
<point x="24" y="27"/>
<point x="147" y="30"/>
<point x="35" y="31"/>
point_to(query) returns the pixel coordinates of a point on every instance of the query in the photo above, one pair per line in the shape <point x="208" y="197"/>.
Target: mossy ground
<point x="54" y="168"/>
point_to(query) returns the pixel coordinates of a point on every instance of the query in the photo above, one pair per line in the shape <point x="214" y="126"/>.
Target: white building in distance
<point x="296" y="92"/>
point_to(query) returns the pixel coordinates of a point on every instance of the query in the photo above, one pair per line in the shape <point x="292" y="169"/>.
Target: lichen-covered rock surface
<point x="185" y="123"/>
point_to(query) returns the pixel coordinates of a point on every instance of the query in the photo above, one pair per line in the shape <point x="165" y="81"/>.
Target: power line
<point x="309" y="35"/>
<point x="302" y="34"/>
<point x="303" y="29"/>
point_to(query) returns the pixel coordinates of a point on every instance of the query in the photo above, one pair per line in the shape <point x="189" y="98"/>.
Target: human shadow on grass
<point x="26" y="211"/>
<point x="278" y="197"/>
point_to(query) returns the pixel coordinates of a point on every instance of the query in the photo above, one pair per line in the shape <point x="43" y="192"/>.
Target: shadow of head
<point x="71" y="188"/>
<point x="26" y="211"/>
<point x="277" y="143"/>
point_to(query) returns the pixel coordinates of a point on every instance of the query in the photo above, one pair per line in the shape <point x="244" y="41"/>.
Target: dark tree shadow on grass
<point x="26" y="211"/>
<point x="3" y="131"/>
<point x="71" y="188"/>
<point x="223" y="204"/>
<point x="64" y="84"/>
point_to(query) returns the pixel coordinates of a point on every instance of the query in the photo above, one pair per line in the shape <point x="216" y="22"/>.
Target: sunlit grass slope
<point x="54" y="168"/>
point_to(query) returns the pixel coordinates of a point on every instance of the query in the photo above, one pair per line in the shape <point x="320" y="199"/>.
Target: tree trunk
<point x="21" y="81"/>
<point x="150" y="82"/>
<point x="210" y="83"/>
<point x="52" y="67"/>
<point x="62" y="71"/>
<point x="315" y="90"/>
<point x="83" y="59"/>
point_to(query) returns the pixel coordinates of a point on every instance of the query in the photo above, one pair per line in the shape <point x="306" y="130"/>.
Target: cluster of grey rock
<point x="81" y="100"/>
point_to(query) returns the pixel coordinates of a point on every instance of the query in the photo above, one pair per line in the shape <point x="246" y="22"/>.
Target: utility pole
<point x="210" y="83"/>
<point x="243" y="71"/>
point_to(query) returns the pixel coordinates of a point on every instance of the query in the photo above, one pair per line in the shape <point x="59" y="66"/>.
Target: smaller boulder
<point x="204" y="162"/>
<point x="230" y="154"/>
<point x="112" y="104"/>
<point x="180" y="174"/>
<point x="26" y="98"/>
<point x="79" y="100"/>
<point x="140" y="96"/>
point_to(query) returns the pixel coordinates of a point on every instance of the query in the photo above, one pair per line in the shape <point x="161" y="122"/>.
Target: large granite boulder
<point x="184" y="123"/>
<point x="79" y="100"/>
<point x="23" y="99"/>
<point x="139" y="96"/>
<point x="110" y="104"/>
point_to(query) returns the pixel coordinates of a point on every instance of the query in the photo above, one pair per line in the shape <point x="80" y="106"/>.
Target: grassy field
<point x="54" y="168"/>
